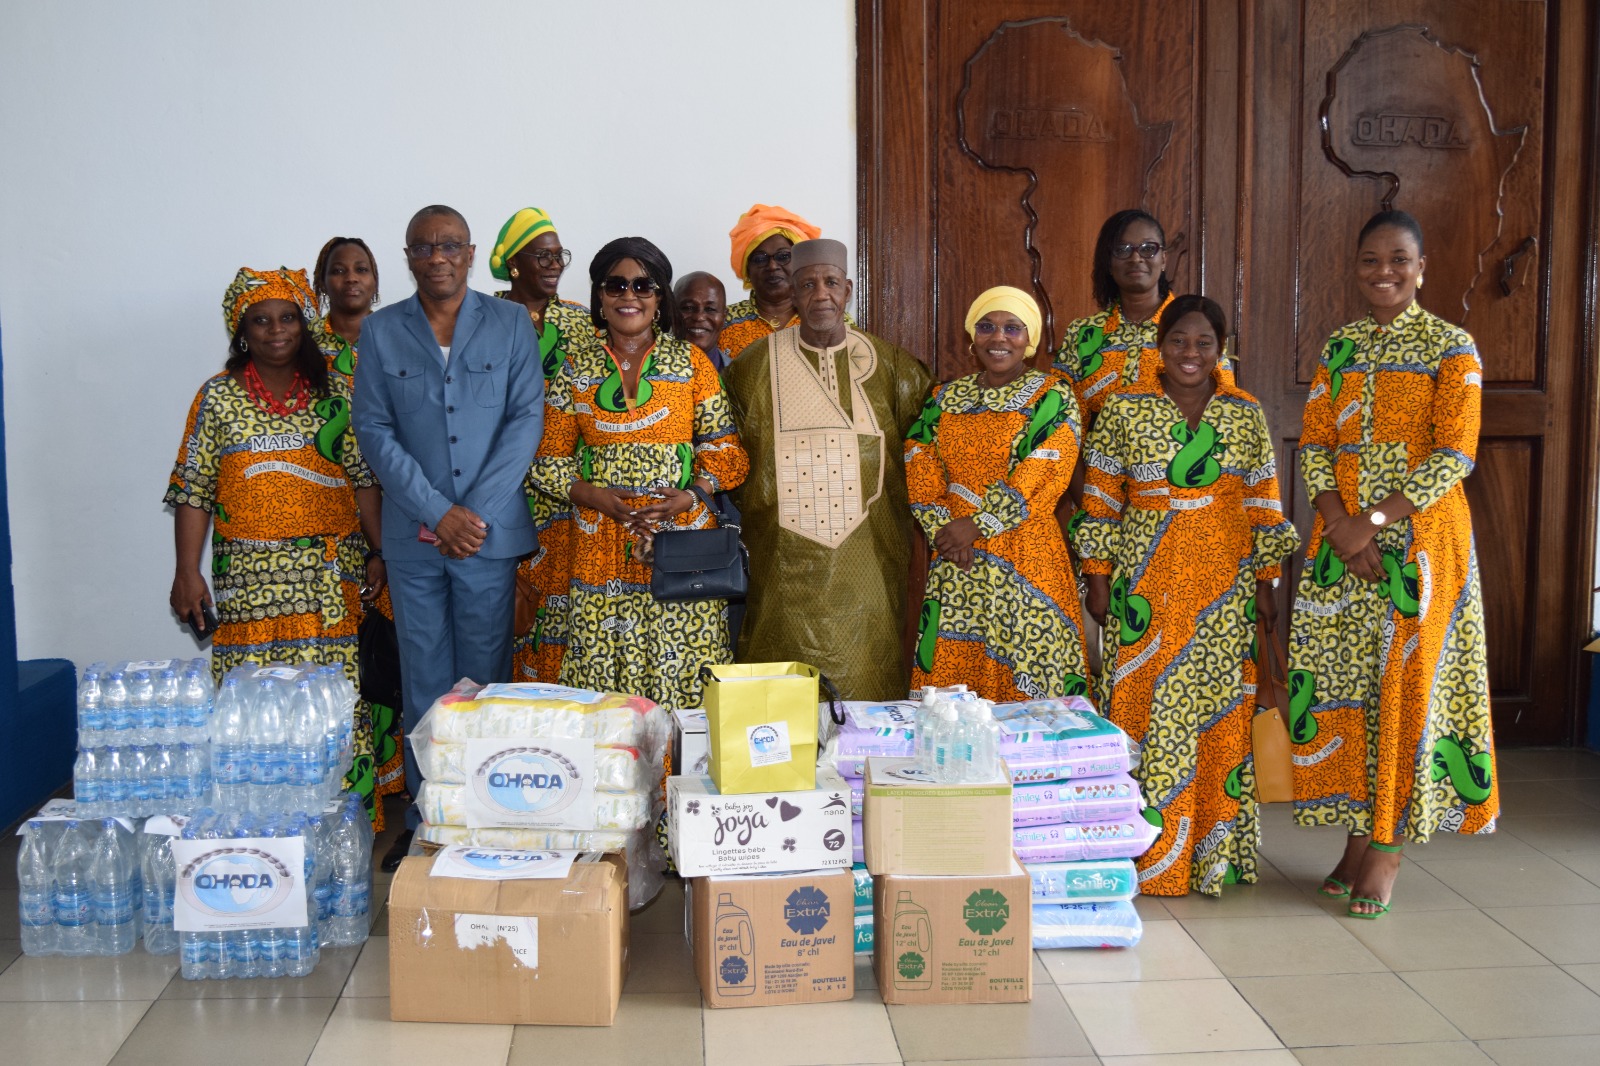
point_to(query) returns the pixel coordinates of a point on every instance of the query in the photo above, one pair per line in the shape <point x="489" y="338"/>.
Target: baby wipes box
<point x="771" y="832"/>
<point x="766" y="939"/>
<point x="914" y="826"/>
<point x="485" y="945"/>
<point x="954" y="939"/>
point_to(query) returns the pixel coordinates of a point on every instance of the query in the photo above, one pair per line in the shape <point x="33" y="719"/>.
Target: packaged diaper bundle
<point x="1091" y="799"/>
<point x="529" y="765"/>
<point x="863" y="915"/>
<point x="1089" y="881"/>
<point x="1125" y="838"/>
<point x="1086" y="925"/>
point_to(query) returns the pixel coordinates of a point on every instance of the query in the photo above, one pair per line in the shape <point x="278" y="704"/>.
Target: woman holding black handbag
<point x="638" y="435"/>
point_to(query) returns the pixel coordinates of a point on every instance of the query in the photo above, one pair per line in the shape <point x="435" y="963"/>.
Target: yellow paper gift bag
<point x="762" y="723"/>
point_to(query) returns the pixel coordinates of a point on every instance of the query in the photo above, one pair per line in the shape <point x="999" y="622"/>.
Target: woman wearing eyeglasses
<point x="762" y="239"/>
<point x="1181" y="546"/>
<point x="985" y="464"/>
<point x="528" y="253"/>
<point x="630" y="424"/>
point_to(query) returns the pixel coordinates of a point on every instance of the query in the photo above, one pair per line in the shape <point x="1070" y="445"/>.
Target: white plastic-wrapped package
<point x="616" y="768"/>
<point x="446" y="803"/>
<point x="529" y="709"/>
<point x="1089" y="799"/>
<point x="1090" y="881"/>
<point x="647" y="863"/>
<point x="1121" y="839"/>
<point x="1086" y="925"/>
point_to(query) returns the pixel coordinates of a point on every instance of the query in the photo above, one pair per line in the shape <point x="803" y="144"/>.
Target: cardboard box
<point x="776" y="832"/>
<point x="690" y="742"/>
<point x="954" y="939"/>
<point x="916" y="827"/>
<point x="767" y="939"/>
<point x="548" y="952"/>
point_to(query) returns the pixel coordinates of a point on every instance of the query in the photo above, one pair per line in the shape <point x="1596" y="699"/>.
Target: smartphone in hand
<point x="208" y="623"/>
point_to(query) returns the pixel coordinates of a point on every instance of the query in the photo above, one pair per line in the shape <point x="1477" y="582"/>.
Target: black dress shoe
<point x="396" y="852"/>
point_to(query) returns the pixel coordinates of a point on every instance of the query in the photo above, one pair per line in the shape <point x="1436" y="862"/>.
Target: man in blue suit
<point x="448" y="410"/>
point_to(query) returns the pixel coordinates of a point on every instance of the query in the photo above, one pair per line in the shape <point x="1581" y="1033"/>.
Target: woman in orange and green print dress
<point x="1181" y="547"/>
<point x="630" y="424"/>
<point x="985" y="464"/>
<point x="1388" y="674"/>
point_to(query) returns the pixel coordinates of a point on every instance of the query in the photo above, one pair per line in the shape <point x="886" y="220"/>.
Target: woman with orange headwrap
<point x="268" y="459"/>
<point x="760" y="257"/>
<point x="985" y="464"/>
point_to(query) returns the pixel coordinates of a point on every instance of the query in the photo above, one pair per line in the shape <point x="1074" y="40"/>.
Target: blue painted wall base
<point x="41" y="724"/>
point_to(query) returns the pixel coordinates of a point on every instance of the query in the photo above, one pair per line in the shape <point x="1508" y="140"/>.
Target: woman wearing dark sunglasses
<point x="528" y="253"/>
<point x="630" y="424"/>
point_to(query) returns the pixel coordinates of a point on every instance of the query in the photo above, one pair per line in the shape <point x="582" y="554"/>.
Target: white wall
<point x="149" y="150"/>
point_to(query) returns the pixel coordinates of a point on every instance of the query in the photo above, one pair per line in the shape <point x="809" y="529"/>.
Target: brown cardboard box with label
<point x="917" y="827"/>
<point x="761" y="940"/>
<point x="954" y="939"/>
<point x="548" y="951"/>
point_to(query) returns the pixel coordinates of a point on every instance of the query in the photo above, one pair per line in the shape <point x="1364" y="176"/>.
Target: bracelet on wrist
<point x="374" y="553"/>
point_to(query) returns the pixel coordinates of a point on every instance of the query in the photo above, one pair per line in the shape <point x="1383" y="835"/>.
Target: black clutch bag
<point x="701" y="564"/>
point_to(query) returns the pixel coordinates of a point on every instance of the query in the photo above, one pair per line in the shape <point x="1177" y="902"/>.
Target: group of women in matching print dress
<point x="1136" y="434"/>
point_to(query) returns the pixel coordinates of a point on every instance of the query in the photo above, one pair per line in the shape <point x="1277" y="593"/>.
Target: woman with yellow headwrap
<point x="269" y="465"/>
<point x="985" y="465"/>
<point x="528" y="253"/>
<point x="760" y="259"/>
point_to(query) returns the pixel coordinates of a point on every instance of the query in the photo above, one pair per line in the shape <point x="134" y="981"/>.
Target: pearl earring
<point x="515" y="273"/>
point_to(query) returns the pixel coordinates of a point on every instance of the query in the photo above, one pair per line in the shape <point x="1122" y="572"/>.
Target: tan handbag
<point x="1269" y="740"/>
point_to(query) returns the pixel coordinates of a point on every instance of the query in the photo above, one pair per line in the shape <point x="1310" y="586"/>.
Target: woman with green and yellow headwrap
<point x="528" y="253"/>
<point x="985" y="465"/>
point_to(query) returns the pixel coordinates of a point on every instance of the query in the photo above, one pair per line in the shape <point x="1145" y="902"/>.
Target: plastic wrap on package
<point x="647" y="864"/>
<point x="1090" y="799"/>
<point x="1086" y="925"/>
<point x="1122" y="839"/>
<point x="1090" y="881"/>
<point x="864" y="935"/>
<point x="863" y="887"/>
<point x="443" y="803"/>
<point x="530" y="709"/>
<point x="616" y="768"/>
<point x="870" y="730"/>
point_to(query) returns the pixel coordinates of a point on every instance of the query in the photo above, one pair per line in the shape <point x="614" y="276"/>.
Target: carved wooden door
<point x="995" y="137"/>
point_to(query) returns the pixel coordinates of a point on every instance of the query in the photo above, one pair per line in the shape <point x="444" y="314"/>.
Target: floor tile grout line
<point x="126" y="1036"/>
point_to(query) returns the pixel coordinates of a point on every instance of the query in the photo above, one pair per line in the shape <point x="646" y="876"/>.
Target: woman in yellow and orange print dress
<point x="268" y="460"/>
<point x="986" y="463"/>
<point x="630" y="424"/>
<point x="1181" y="546"/>
<point x="1389" y="691"/>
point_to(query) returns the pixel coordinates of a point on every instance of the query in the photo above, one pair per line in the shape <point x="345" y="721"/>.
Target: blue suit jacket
<point x="463" y="434"/>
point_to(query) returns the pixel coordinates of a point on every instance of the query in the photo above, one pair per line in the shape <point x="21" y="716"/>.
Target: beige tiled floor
<point x="1491" y="956"/>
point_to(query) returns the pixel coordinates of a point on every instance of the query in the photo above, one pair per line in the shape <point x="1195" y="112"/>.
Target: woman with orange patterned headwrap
<point x="269" y="463"/>
<point x="760" y="257"/>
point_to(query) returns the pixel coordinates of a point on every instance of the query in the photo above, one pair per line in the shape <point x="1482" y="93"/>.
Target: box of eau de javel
<point x="759" y="832"/>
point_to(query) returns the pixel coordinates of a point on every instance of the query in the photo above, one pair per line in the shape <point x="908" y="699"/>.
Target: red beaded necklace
<point x="296" y="397"/>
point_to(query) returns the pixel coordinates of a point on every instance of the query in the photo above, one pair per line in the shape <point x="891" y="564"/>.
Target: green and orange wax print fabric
<point x="676" y="429"/>
<point x="826" y="517"/>
<point x="1011" y="627"/>
<point x="537" y="651"/>
<point x="1183" y="522"/>
<point x="1389" y="692"/>
<point x="287" y="556"/>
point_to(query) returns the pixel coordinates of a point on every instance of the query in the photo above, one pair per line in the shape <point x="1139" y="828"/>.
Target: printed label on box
<point x="281" y="673"/>
<point x="240" y="883"/>
<point x="769" y="743"/>
<point x="545" y="784"/>
<point x="482" y="930"/>
<point x="501" y="864"/>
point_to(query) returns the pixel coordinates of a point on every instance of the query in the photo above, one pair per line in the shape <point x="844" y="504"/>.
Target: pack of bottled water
<point x="957" y="738"/>
<point x="142" y="732"/>
<point x="80" y="887"/>
<point x="282" y="738"/>
<point x="338" y="883"/>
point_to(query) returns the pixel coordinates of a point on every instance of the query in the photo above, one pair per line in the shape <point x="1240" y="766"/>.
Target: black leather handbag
<point x="701" y="564"/>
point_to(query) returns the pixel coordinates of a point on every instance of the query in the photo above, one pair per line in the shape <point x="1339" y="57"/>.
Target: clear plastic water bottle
<point x="194" y="705"/>
<point x="35" y="902"/>
<point x="272" y="945"/>
<point x="192" y="772"/>
<point x="985" y="739"/>
<point x="351" y="889"/>
<point x="169" y="719"/>
<point x="142" y="707"/>
<point x="230" y="748"/>
<point x="307" y="751"/>
<point x="91" y="707"/>
<point x="116" y="784"/>
<point x="319" y="902"/>
<point x="141" y="777"/>
<point x="340" y="716"/>
<point x="196" y="951"/>
<point x="160" y="874"/>
<point x="86" y="782"/>
<point x="118" y="713"/>
<point x="70" y="894"/>
<point x="111" y="888"/>
<point x="129" y="843"/>
<point x="268" y="749"/>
